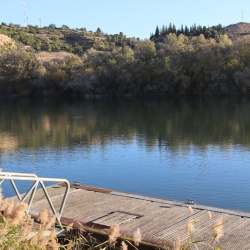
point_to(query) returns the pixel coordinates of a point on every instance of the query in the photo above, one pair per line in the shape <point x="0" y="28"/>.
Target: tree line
<point x="179" y="65"/>
<point x="193" y="30"/>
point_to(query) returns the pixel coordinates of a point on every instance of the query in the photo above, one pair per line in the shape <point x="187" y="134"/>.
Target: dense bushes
<point x="176" y="66"/>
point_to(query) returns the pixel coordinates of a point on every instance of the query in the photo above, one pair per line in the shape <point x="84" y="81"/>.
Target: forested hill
<point x="52" y="38"/>
<point x="60" y="61"/>
<point x="77" y="41"/>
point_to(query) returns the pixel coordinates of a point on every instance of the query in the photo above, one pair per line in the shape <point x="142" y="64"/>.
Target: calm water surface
<point x="180" y="148"/>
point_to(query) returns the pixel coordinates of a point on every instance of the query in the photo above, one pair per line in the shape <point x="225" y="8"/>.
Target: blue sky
<point x="136" y="18"/>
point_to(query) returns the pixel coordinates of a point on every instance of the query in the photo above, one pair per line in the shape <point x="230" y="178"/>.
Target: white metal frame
<point x="36" y="181"/>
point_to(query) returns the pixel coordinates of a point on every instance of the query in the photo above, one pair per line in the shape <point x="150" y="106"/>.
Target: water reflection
<point x="179" y="148"/>
<point x="169" y="123"/>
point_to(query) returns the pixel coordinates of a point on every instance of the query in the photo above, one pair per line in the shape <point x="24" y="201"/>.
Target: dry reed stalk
<point x="27" y="228"/>
<point x="51" y="221"/>
<point x="53" y="245"/>
<point x="114" y="233"/>
<point x="53" y="240"/>
<point x="209" y="215"/>
<point x="69" y="227"/>
<point x="191" y="211"/>
<point x="52" y="235"/>
<point x="177" y="245"/>
<point x="124" y="246"/>
<point x="137" y="236"/>
<point x="218" y="230"/>
<point x="70" y="245"/>
<point x="39" y="234"/>
<point x="44" y="241"/>
<point x="18" y="214"/>
<point x="33" y="240"/>
<point x="43" y="216"/>
<point x="189" y="227"/>
<point x="8" y="211"/>
<point x="4" y="204"/>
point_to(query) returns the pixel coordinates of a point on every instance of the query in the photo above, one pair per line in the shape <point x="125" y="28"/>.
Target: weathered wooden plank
<point x="114" y="218"/>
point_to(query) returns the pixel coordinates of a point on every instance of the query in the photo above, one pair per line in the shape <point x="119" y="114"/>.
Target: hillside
<point x="77" y="41"/>
<point x="238" y="28"/>
<point x="55" y="39"/>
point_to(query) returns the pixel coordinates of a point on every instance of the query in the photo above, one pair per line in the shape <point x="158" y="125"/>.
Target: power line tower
<point x="40" y="22"/>
<point x="24" y="15"/>
<point x="242" y="15"/>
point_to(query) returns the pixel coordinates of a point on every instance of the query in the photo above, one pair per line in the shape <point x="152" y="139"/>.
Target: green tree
<point x="157" y="32"/>
<point x="98" y="30"/>
<point x="18" y="64"/>
<point x="37" y="44"/>
<point x="186" y="32"/>
<point x="77" y="48"/>
<point x="65" y="27"/>
<point x="170" y="28"/>
<point x="174" y="29"/>
<point x="199" y="42"/>
<point x="52" y="26"/>
<point x="145" y="50"/>
<point x="47" y="46"/>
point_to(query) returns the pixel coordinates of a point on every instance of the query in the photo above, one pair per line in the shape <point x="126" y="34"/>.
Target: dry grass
<point x="5" y="40"/>
<point x="17" y="228"/>
<point x="45" y="57"/>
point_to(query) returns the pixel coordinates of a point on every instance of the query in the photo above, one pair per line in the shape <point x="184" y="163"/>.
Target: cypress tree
<point x="194" y="30"/>
<point x="163" y="30"/>
<point x="191" y="29"/>
<point x="204" y="29"/>
<point x="174" y="29"/>
<point x="186" y="31"/>
<point x="182" y="30"/>
<point x="157" y="32"/>
<point x="170" y="28"/>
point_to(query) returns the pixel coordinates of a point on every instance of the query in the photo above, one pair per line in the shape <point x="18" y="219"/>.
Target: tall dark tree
<point x="187" y="32"/>
<point x="157" y="31"/>
<point x="164" y="30"/>
<point x="198" y="30"/>
<point x="182" y="30"/>
<point x="170" y="28"/>
<point x="174" y="29"/>
<point x="204" y="29"/>
<point x="194" y="30"/>
<point x="191" y="29"/>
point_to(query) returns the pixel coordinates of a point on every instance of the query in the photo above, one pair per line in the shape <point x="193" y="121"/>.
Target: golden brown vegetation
<point x="177" y="65"/>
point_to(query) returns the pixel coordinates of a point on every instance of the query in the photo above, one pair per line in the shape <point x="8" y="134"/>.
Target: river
<point x="180" y="148"/>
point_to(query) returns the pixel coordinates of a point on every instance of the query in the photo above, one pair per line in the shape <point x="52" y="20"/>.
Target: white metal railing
<point x="31" y="192"/>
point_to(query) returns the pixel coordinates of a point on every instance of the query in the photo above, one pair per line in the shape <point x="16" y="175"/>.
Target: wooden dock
<point x="158" y="219"/>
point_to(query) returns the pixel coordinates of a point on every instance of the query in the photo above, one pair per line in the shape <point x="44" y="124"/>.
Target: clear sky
<point x="136" y="18"/>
